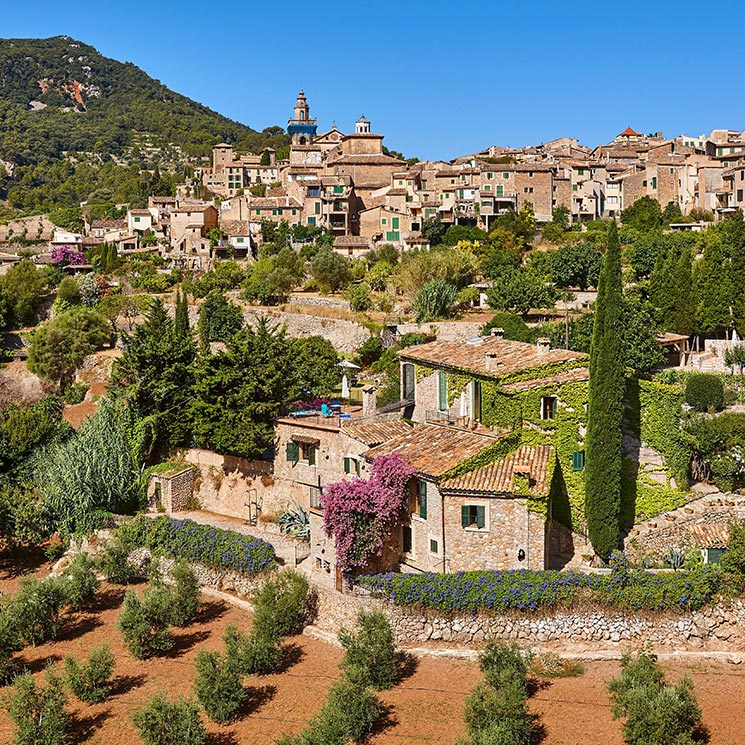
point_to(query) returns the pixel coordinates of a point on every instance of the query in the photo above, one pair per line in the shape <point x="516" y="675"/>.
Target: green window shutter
<point x="442" y="390"/>
<point x="480" y="517"/>
<point x="500" y="190"/>
<point x="293" y="452"/>
<point x="578" y="460"/>
<point x="394" y="223"/>
<point x="347" y="465"/>
<point x="465" y="516"/>
<point x="423" y="499"/>
<point x="311" y="455"/>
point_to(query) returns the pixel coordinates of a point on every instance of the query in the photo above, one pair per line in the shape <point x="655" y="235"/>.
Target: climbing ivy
<point x="501" y="447"/>
<point x="457" y="383"/>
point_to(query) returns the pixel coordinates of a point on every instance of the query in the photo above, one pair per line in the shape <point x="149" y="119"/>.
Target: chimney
<point x="498" y="332"/>
<point x="369" y="400"/>
<point x="492" y="363"/>
<point x="543" y="344"/>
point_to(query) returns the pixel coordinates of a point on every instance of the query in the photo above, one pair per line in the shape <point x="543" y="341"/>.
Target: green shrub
<point x="498" y="657"/>
<point x="370" y="656"/>
<point x="254" y="654"/>
<point x="280" y="608"/>
<point x="35" y="609"/>
<point x="656" y="713"/>
<point x="370" y="350"/>
<point x="347" y="716"/>
<point x="91" y="681"/>
<point x="164" y="722"/>
<point x="79" y="582"/>
<point x="499" y="715"/>
<point x="114" y="564"/>
<point x="434" y="300"/>
<point x="186" y="595"/>
<point x="144" y="624"/>
<point x="38" y="712"/>
<point x="218" y="686"/>
<point x="359" y="297"/>
<point x="704" y="392"/>
<point x="9" y="644"/>
<point x="733" y="559"/>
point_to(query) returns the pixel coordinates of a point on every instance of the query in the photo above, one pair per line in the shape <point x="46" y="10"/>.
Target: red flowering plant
<point x="360" y="514"/>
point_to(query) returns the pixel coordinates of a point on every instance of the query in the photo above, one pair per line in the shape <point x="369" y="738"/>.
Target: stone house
<point x="170" y="488"/>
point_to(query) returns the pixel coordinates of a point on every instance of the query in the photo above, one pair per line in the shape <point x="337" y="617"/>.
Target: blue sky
<point x="438" y="79"/>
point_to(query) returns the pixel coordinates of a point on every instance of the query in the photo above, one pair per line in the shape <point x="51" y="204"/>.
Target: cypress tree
<point x="605" y="407"/>
<point x="181" y="322"/>
<point x="685" y="301"/>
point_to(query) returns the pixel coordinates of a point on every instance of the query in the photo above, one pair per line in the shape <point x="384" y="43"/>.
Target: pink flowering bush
<point x="65" y="255"/>
<point x="360" y="514"/>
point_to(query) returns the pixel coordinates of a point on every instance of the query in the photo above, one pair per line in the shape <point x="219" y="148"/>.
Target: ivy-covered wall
<point x="652" y="418"/>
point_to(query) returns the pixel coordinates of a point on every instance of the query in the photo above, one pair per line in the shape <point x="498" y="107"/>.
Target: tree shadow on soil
<point x="82" y="624"/>
<point x="83" y="728"/>
<point x="385" y="721"/>
<point x="407" y="665"/>
<point x="291" y="655"/>
<point x="184" y="642"/>
<point x="109" y="599"/>
<point x="210" y="611"/>
<point x="256" y="697"/>
<point x="538" y="733"/>
<point x="36" y="666"/>
<point x="221" y="738"/>
<point x="18" y="560"/>
<point x="125" y="683"/>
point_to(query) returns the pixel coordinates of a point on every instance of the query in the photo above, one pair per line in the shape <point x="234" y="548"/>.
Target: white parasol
<point x="463" y="404"/>
<point x="348" y="365"/>
<point x="344" y="386"/>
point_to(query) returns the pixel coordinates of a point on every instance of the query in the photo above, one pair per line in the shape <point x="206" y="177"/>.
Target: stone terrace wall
<point x="718" y="628"/>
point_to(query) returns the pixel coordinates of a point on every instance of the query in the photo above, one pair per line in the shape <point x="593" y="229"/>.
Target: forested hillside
<point x="76" y="125"/>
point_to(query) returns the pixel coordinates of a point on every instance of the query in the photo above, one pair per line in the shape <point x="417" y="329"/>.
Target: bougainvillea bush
<point x="529" y="591"/>
<point x="66" y="255"/>
<point x="214" y="547"/>
<point x="360" y="514"/>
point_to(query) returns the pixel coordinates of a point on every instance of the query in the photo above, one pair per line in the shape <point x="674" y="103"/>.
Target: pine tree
<point x="181" y="322"/>
<point x="605" y="407"/>
<point x="155" y="376"/>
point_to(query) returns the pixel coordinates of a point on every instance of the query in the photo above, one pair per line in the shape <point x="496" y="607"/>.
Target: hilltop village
<point x="496" y="398"/>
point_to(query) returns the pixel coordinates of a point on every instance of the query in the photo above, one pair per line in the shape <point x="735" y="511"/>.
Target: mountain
<point x="74" y="123"/>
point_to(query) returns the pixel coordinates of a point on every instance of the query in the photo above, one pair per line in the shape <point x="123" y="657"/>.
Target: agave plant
<point x="675" y="558"/>
<point x="295" y="523"/>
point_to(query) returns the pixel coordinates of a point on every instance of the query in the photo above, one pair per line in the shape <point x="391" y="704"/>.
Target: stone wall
<point x="232" y="486"/>
<point x="717" y="628"/>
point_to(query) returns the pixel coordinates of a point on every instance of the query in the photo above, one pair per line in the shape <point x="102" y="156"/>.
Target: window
<point x="294" y="212"/>
<point x="421" y="499"/>
<point x="315" y="497"/>
<point x="384" y="221"/>
<point x="308" y="452"/>
<point x="293" y="452"/>
<point x="311" y="221"/>
<point x="258" y="212"/>
<point x="490" y="175"/>
<point x="574" y="187"/>
<point x="580" y="171"/>
<point x="433" y="547"/>
<point x="424" y="184"/>
<point x="406" y="542"/>
<point x="442" y="390"/>
<point x="528" y="189"/>
<point x="505" y="175"/>
<point x="409" y="379"/>
<point x="500" y="190"/>
<point x="548" y="407"/>
<point x="654" y="182"/>
<point x="352" y="465"/>
<point x="644" y="183"/>
<point x="395" y="223"/>
<point x="338" y="190"/>
<point x="578" y="460"/>
<point x="137" y="219"/>
<point x="476" y="400"/>
<point x="473" y="516"/>
<point x="739" y="195"/>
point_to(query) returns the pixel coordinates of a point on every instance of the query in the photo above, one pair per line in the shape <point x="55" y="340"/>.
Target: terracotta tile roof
<point x="433" y="449"/>
<point x="628" y="132"/>
<point x="577" y="375"/>
<point x="715" y="535"/>
<point x="235" y="227"/>
<point x="499" y="477"/>
<point x="376" y="433"/>
<point x="369" y="160"/>
<point x="509" y="356"/>
<point x="351" y="240"/>
<point x="109" y="223"/>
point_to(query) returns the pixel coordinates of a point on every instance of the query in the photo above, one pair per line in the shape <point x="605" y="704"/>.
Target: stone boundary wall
<point x="319" y="302"/>
<point x="718" y="628"/>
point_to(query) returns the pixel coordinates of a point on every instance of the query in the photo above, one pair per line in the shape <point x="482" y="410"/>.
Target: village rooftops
<point x="489" y="356"/>
<point x="532" y="462"/>
<point x="433" y="449"/>
<point x="374" y="433"/>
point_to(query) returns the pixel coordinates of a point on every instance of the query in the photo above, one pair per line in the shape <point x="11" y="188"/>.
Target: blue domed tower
<point x="302" y="128"/>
